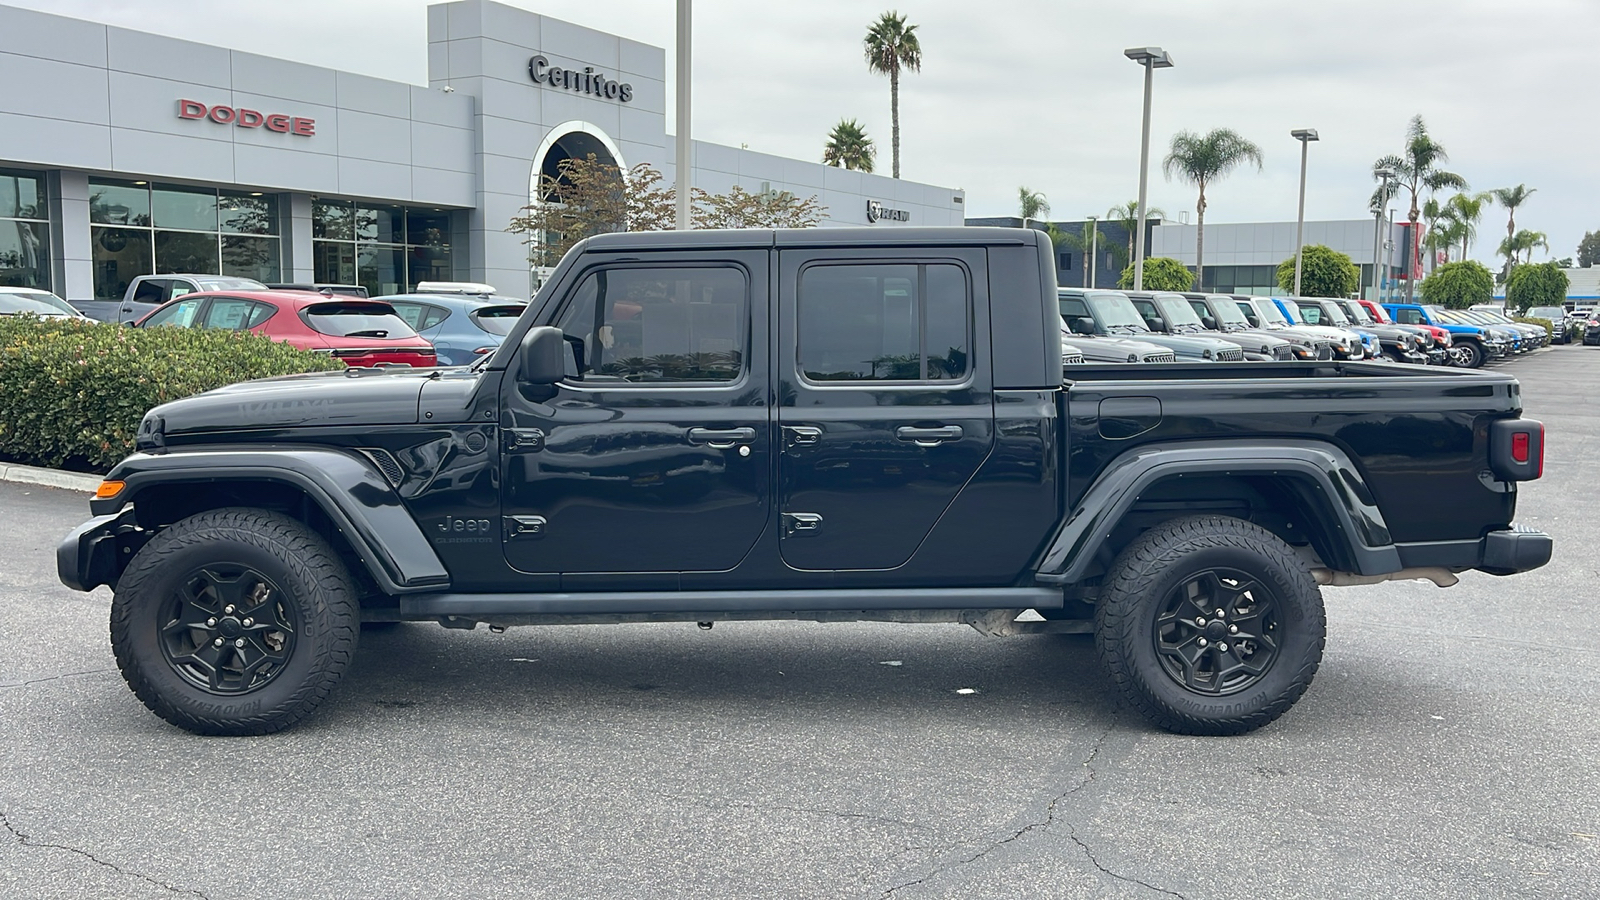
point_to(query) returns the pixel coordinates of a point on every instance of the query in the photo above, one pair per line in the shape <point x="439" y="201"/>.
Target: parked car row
<point x="1162" y="326"/>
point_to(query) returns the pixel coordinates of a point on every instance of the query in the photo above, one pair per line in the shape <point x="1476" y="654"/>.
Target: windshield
<point x="229" y="284"/>
<point x="1291" y="311"/>
<point x="1115" y="312"/>
<point x="1357" y="313"/>
<point x="371" y="320"/>
<point x="36" y="302"/>
<point x="1268" y="312"/>
<point x="1333" y="314"/>
<point x="1381" y="314"/>
<point x="1225" y="311"/>
<point x="1177" y="311"/>
<point x="1453" y="317"/>
<point x="1547" y="312"/>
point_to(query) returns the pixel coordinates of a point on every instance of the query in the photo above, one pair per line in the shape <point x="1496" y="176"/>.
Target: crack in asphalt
<point x="825" y="812"/>
<point x="23" y="684"/>
<point x="1118" y="875"/>
<point x="26" y="841"/>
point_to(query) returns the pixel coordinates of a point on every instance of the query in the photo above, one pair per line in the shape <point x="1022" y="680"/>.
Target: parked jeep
<point x="1112" y="314"/>
<point x="828" y="424"/>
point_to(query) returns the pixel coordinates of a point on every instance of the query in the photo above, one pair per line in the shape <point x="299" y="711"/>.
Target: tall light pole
<point x="1152" y="58"/>
<point x="1094" y="241"/>
<point x="1305" y="136"/>
<point x="684" y="148"/>
<point x="1384" y="175"/>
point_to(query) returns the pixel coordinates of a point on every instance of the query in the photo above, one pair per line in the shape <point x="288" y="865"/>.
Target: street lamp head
<point x="1093" y="218"/>
<point x="1154" y="57"/>
<point x="1304" y="134"/>
<point x="1385" y="174"/>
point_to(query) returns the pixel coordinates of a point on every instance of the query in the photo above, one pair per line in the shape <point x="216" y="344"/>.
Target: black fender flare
<point x="346" y="486"/>
<point x="1357" y="528"/>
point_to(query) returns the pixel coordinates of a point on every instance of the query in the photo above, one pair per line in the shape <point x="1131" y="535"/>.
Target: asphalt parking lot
<point x="1447" y="749"/>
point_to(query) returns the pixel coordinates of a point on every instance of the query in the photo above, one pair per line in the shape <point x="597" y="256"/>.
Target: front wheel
<point x="234" y="621"/>
<point x="1467" y="355"/>
<point x="1210" y="625"/>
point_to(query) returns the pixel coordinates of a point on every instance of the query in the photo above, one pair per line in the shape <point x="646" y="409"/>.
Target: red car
<point x="1441" y="338"/>
<point x="359" y="332"/>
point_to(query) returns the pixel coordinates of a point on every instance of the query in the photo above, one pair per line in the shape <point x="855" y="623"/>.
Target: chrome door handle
<point x="928" y="437"/>
<point x="721" y="438"/>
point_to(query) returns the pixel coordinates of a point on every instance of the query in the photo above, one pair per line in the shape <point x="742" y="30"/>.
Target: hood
<point x="1190" y="345"/>
<point x="386" y="396"/>
<point x="1107" y="349"/>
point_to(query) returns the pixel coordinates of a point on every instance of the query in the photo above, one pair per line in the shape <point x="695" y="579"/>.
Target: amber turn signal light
<point x="108" y="489"/>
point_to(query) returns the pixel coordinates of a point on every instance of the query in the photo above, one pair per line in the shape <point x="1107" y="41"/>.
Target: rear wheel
<point x="1210" y="625"/>
<point x="234" y="621"/>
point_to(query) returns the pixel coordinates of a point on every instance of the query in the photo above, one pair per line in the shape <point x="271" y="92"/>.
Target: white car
<point x="16" y="301"/>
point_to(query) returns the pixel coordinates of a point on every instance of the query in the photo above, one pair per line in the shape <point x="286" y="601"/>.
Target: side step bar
<point x="723" y="604"/>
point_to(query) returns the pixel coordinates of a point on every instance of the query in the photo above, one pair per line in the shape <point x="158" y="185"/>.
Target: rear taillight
<point x="482" y="350"/>
<point x="1516" y="449"/>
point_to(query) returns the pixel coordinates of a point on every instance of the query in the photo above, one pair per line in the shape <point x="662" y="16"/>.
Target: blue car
<point x="462" y="327"/>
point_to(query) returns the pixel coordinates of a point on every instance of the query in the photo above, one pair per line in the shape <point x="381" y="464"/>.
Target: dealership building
<point x="130" y="153"/>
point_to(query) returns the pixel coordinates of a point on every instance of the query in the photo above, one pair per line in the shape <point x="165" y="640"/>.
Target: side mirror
<point x="1209" y="323"/>
<point x="543" y="354"/>
<point x="1082" y="325"/>
<point x="1155" y="324"/>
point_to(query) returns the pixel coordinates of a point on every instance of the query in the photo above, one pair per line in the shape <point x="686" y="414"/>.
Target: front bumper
<point x="97" y="551"/>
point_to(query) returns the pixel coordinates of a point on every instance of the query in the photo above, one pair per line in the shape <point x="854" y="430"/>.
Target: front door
<point x="654" y="455"/>
<point x="885" y="404"/>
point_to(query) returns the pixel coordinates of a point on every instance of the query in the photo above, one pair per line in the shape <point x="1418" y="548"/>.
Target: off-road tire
<point x="1474" y="356"/>
<point x="311" y="579"/>
<point x="1146" y="576"/>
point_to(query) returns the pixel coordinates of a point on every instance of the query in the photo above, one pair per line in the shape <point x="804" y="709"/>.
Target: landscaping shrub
<point x="72" y="393"/>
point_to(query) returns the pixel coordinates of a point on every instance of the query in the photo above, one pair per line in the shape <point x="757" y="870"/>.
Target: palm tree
<point x="1512" y="247"/>
<point x="1417" y="169"/>
<point x="1032" y="204"/>
<point x="892" y="45"/>
<point x="849" y="146"/>
<point x="1200" y="160"/>
<point x="1087" y="242"/>
<point x="1127" y="216"/>
<point x="1464" y="210"/>
<point x="1511" y="198"/>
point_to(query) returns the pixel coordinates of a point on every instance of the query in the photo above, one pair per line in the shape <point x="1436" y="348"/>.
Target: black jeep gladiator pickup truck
<point x="825" y="424"/>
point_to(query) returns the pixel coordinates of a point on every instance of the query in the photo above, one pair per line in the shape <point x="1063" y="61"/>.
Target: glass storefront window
<point x="143" y="230"/>
<point x="242" y="213"/>
<point x="22" y="195"/>
<point x="381" y="269"/>
<point x="250" y="257"/>
<point x="387" y="249"/>
<point x="25" y="254"/>
<point x="179" y="251"/>
<point x="120" y="255"/>
<point x="188" y="209"/>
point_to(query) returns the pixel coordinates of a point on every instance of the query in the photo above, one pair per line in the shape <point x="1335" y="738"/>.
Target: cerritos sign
<point x="587" y="81"/>
<point x="877" y="212"/>
<point x="247" y="118"/>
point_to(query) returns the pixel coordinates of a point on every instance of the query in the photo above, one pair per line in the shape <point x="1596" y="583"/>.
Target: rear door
<point x="145" y="296"/>
<point x="885" y="402"/>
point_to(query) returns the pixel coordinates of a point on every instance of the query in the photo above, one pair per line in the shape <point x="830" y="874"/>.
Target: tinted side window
<point x="233" y="314"/>
<point x="180" y="314"/>
<point x="1408" y="316"/>
<point x="884" y="322"/>
<point x="660" y="324"/>
<point x="433" y="316"/>
<point x="1311" y="314"/>
<point x="151" y="290"/>
<point x="410" y="313"/>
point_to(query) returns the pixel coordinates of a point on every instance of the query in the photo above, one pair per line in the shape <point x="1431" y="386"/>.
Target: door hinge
<point x="801" y="523"/>
<point x="525" y="526"/>
<point x="801" y="435"/>
<point x="524" y="439"/>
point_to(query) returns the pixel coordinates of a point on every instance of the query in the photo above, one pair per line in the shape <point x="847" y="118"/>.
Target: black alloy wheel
<point x="1210" y="625"/>
<point x="1217" y="632"/>
<point x="234" y="622"/>
<point x="228" y="629"/>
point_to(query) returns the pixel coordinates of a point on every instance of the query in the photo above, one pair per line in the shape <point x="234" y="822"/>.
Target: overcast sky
<point x="1033" y="92"/>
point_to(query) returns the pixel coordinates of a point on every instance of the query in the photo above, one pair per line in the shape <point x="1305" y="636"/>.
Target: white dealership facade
<point x="125" y="153"/>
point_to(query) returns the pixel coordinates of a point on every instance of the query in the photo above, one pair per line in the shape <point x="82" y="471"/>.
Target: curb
<point x="56" y="478"/>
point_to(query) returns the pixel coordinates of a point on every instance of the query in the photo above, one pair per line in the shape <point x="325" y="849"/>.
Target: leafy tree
<point x="1324" y="272"/>
<point x="1418" y="168"/>
<point x="1459" y="285"/>
<point x="892" y="45"/>
<point x="1127" y="216"/>
<point x="741" y="209"/>
<point x="1161" y="273"/>
<point x="849" y="146"/>
<point x="1201" y="160"/>
<point x="1564" y="262"/>
<point x="1536" y="285"/>
<point x="589" y="197"/>
<point x="1589" y="249"/>
<point x="1032" y="204"/>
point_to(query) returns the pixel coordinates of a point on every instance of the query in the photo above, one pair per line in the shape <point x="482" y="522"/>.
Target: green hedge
<point x="72" y="393"/>
<point x="1546" y="324"/>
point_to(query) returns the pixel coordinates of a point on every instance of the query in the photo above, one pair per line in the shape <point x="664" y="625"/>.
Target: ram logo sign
<point x="877" y="212"/>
